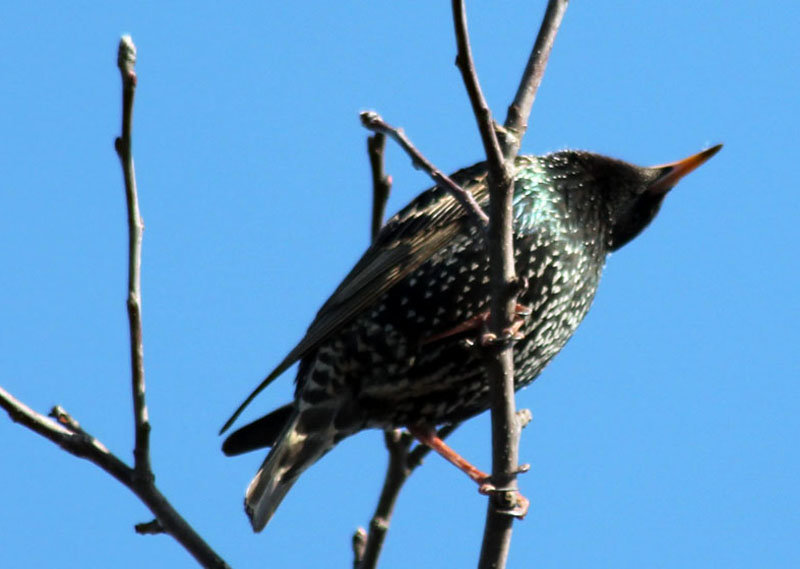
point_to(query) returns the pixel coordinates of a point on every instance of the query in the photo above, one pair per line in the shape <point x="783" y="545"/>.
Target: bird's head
<point x="635" y="200"/>
<point x="630" y="196"/>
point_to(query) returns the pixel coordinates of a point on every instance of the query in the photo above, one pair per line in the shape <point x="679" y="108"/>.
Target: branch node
<point x="524" y="417"/>
<point x="379" y="523"/>
<point x="152" y="527"/>
<point x="66" y="420"/>
<point x="507" y="137"/>
<point x="359" y="546"/>
<point x="374" y="122"/>
<point x="126" y="57"/>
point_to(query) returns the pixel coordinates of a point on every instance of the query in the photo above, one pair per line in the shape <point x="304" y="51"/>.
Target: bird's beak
<point x="673" y="172"/>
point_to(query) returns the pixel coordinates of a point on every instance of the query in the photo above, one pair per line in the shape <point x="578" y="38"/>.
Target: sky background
<point x="664" y="435"/>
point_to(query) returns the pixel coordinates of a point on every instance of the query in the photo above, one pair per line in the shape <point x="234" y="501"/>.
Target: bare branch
<point x="381" y="183"/>
<point x="65" y="431"/>
<point x="397" y="472"/>
<point x="506" y="501"/>
<point x="79" y="443"/>
<point x="359" y="545"/>
<point x="483" y="115"/>
<point x="506" y="422"/>
<point x="520" y="109"/>
<point x="126" y="60"/>
<point x="374" y="122"/>
<point x="403" y="459"/>
<point x="83" y="445"/>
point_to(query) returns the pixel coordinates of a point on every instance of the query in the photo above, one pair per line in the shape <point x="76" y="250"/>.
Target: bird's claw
<point x="508" y="501"/>
<point x="510" y="334"/>
<point x="514" y="504"/>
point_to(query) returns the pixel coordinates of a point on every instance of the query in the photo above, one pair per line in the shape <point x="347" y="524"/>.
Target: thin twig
<point x="80" y="444"/>
<point x="374" y="122"/>
<point x="66" y="432"/>
<point x="403" y="460"/>
<point x="367" y="545"/>
<point x="381" y="183"/>
<point x="359" y="545"/>
<point x="126" y="60"/>
<point x="483" y="115"/>
<point x="84" y="445"/>
<point x="397" y="472"/>
<point x="520" y="109"/>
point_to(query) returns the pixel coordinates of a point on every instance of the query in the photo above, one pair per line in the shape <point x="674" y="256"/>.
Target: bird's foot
<point x="511" y="502"/>
<point x="512" y="333"/>
<point x="508" y="501"/>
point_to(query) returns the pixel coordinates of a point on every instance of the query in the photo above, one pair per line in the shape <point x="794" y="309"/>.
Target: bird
<point x="397" y="345"/>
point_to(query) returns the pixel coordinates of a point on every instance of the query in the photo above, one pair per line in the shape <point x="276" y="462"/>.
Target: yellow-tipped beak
<point x="674" y="171"/>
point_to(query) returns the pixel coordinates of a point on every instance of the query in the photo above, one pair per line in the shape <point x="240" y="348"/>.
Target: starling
<point x="394" y="346"/>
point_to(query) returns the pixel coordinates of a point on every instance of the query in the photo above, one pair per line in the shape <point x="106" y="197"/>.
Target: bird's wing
<point x="415" y="233"/>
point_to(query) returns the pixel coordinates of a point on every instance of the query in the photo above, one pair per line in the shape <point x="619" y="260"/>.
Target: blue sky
<point x="664" y="435"/>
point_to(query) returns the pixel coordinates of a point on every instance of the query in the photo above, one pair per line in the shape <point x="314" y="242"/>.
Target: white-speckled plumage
<point x="390" y="347"/>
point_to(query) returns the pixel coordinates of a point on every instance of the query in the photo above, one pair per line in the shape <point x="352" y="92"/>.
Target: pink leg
<point x="514" y="503"/>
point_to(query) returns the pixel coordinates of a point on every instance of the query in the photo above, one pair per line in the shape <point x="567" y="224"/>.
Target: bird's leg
<point x="427" y="436"/>
<point x="510" y="500"/>
<point x="479" y="322"/>
<point x="472" y="324"/>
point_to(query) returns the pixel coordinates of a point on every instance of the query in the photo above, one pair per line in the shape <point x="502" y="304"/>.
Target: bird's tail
<point x="296" y="449"/>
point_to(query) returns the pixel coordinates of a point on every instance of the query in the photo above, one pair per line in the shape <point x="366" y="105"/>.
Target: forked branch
<point x="519" y="111"/>
<point x="374" y="122"/>
<point x="506" y="502"/>
<point x="65" y="431"/>
<point x="403" y="459"/>
<point x="500" y="154"/>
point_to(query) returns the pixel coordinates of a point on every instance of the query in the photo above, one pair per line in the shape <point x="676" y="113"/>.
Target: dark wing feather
<point x="261" y="433"/>
<point x="415" y="233"/>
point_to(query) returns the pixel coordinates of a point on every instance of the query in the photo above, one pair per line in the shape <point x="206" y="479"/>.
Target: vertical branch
<point x="397" y="472"/>
<point x="506" y="501"/>
<point x="141" y="479"/>
<point x="483" y="115"/>
<point x="381" y="183"/>
<point x="403" y="460"/>
<point x="520" y="109"/>
<point x="503" y="281"/>
<point x="367" y="545"/>
<point x="126" y="60"/>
